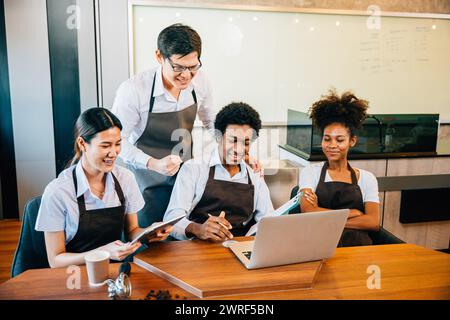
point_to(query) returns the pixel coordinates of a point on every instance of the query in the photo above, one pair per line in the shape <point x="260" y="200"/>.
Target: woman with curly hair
<point x="334" y="184"/>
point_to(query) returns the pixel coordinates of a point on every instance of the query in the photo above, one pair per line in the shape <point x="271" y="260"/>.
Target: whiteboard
<point x="280" y="60"/>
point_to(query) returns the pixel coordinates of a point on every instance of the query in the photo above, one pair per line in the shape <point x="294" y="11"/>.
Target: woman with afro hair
<point x="334" y="184"/>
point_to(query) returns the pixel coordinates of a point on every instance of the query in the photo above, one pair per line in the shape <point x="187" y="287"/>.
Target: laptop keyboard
<point x="248" y="254"/>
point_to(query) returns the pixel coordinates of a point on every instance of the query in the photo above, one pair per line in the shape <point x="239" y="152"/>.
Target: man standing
<point x="158" y="107"/>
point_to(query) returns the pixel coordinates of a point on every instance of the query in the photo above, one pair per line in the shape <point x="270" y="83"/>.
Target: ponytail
<point x="77" y="155"/>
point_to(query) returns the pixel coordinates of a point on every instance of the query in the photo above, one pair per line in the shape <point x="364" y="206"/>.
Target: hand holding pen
<point x="217" y="228"/>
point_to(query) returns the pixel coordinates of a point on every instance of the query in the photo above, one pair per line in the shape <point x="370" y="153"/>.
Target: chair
<point x="382" y="236"/>
<point x="31" y="252"/>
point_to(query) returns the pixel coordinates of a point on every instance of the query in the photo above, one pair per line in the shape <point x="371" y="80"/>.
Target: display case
<point x="381" y="134"/>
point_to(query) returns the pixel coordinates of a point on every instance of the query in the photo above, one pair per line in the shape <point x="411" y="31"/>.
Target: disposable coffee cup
<point x="97" y="266"/>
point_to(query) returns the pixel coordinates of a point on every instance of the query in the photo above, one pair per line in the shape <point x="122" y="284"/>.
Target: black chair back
<point x="30" y="252"/>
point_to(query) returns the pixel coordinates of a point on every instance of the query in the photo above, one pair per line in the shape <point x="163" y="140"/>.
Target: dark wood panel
<point x="63" y="49"/>
<point x="415" y="205"/>
<point x="8" y="181"/>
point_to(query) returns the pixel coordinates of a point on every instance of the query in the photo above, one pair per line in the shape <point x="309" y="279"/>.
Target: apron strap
<point x="194" y="95"/>
<point x="118" y="190"/>
<point x="248" y="177"/>
<point x="212" y="171"/>
<point x="152" y="98"/>
<point x="353" y="174"/>
<point x="324" y="171"/>
<point x="80" y="199"/>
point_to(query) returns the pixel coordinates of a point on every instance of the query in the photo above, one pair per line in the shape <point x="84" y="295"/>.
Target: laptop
<point x="292" y="238"/>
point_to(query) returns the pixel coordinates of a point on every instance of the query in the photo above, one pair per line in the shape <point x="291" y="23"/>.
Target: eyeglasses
<point x="181" y="69"/>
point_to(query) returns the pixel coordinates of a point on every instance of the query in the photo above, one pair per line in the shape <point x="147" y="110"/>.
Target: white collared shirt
<point x="191" y="182"/>
<point x="132" y="101"/>
<point x="59" y="207"/>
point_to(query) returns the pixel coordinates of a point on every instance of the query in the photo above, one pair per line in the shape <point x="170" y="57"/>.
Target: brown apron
<point x="157" y="142"/>
<point x="342" y="195"/>
<point x="236" y="199"/>
<point x="97" y="227"/>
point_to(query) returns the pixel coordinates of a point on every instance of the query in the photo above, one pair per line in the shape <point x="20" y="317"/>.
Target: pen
<point x="219" y="222"/>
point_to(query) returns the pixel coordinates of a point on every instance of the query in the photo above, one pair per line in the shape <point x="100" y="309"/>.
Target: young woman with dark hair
<point x="92" y="202"/>
<point x="334" y="184"/>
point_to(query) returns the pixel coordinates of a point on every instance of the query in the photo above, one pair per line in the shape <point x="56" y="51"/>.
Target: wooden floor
<point x="9" y="236"/>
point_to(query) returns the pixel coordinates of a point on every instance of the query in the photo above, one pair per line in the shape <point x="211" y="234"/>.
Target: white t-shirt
<point x="367" y="182"/>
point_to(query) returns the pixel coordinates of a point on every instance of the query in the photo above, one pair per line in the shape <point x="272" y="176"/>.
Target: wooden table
<point x="209" y="270"/>
<point x="51" y="284"/>
<point x="407" y="272"/>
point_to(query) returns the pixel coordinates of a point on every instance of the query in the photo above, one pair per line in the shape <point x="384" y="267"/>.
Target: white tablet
<point x="154" y="228"/>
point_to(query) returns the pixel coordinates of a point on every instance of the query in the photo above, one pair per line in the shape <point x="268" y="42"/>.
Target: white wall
<point x="406" y="47"/>
<point x="114" y="47"/>
<point x="31" y="100"/>
<point x="280" y="60"/>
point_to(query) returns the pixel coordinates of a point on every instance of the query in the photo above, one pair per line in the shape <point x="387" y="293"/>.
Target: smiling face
<point x="178" y="80"/>
<point x="101" y="152"/>
<point x="337" y="141"/>
<point x="235" y="143"/>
